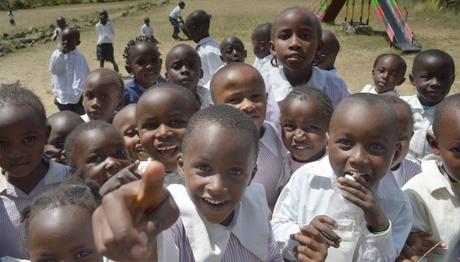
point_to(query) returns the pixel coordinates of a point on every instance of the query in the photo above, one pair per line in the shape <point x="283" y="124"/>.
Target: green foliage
<point x="24" y="4"/>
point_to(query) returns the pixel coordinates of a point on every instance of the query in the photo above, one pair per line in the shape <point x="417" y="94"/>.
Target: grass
<point x="236" y="17"/>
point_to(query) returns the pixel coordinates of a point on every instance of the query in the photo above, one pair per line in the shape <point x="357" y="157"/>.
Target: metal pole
<point x="346" y="11"/>
<point x="362" y="11"/>
<point x="368" y="11"/>
<point x="352" y="11"/>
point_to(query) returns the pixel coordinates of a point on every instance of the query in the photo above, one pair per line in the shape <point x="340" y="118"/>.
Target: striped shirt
<point x="323" y="80"/>
<point x="406" y="170"/>
<point x="13" y="200"/>
<point x="269" y="162"/>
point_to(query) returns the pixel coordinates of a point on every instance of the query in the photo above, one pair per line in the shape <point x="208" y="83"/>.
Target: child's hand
<point x="127" y="222"/>
<point x="124" y="176"/>
<point x="360" y="193"/>
<point x="417" y="245"/>
<point x="314" y="239"/>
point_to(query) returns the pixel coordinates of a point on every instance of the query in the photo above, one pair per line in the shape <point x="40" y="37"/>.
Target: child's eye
<point x="121" y="153"/>
<point x="233" y="100"/>
<point x="377" y="147"/>
<point x="95" y="159"/>
<point x="203" y="168"/>
<point x="178" y="124"/>
<point x="150" y="126"/>
<point x="288" y="127"/>
<point x="83" y="254"/>
<point x="29" y="139"/>
<point x="47" y="260"/>
<point x="141" y="62"/>
<point x="235" y="172"/>
<point x="344" y="143"/>
<point x="284" y="35"/>
<point x="89" y="96"/>
<point x="104" y="97"/>
<point x="176" y="66"/>
<point x="455" y="150"/>
<point x="131" y="132"/>
<point x="305" y="35"/>
<point x="255" y="97"/>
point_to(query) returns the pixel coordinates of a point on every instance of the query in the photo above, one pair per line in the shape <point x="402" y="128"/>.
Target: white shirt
<point x="204" y="95"/>
<point x="85" y="118"/>
<point x="423" y="120"/>
<point x="146" y="30"/>
<point x="57" y="34"/>
<point x="407" y="169"/>
<point x="269" y="162"/>
<point x="104" y="33"/>
<point x="263" y="64"/>
<point x="175" y="13"/>
<point x="329" y="83"/>
<point x="209" y="53"/>
<point x="68" y="74"/>
<point x="436" y="207"/>
<point x="308" y="193"/>
<point x="371" y="89"/>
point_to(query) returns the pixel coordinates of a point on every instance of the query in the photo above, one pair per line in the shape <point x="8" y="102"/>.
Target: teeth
<point x="165" y="148"/>
<point x="214" y="202"/>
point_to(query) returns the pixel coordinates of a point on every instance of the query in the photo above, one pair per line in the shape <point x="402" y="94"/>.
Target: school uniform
<point x="13" y="201"/>
<point x="68" y="74"/>
<point x="263" y="64"/>
<point x="146" y="30"/>
<point x="371" y="89"/>
<point x="308" y="194"/>
<point x="170" y="178"/>
<point x="329" y="83"/>
<point x="209" y="53"/>
<point x="133" y="90"/>
<point x="204" y="96"/>
<point x="85" y="118"/>
<point x="435" y="204"/>
<point x="174" y="20"/>
<point x="423" y="119"/>
<point x="105" y="36"/>
<point x="269" y="162"/>
<point x="406" y="170"/>
<point x="195" y="239"/>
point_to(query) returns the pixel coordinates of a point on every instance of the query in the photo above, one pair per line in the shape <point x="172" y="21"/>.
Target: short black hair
<point x="196" y="56"/>
<point x="14" y="94"/>
<point x="448" y="105"/>
<point x="229" y="40"/>
<point x="80" y="194"/>
<point x="66" y="116"/>
<point x="199" y="18"/>
<point x="393" y="100"/>
<point x="72" y="31"/>
<point x="139" y="39"/>
<point x="103" y="12"/>
<point x="262" y="32"/>
<point x="302" y="93"/>
<point x="120" y="85"/>
<point x="436" y="53"/>
<point x="307" y="12"/>
<point x="402" y="62"/>
<point x="227" y="117"/>
<point x="79" y="131"/>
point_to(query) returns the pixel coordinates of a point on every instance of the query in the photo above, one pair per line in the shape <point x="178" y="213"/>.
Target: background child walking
<point x="105" y="37"/>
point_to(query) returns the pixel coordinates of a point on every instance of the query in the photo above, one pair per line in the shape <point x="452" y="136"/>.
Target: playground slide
<point x="329" y="10"/>
<point x="397" y="29"/>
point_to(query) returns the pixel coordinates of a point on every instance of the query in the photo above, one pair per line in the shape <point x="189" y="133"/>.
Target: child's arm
<point x="123" y="177"/>
<point x="57" y="63"/>
<point x="129" y="219"/>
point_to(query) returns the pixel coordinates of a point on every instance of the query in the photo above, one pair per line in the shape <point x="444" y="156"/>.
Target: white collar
<point x="438" y="180"/>
<point x="204" y="41"/>
<point x="270" y="139"/>
<point x="209" y="241"/>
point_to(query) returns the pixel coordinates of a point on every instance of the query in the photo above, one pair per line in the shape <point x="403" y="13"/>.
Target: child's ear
<point x="128" y="69"/>
<point x="245" y="53"/>
<point x="401" y="81"/>
<point x="166" y="75"/>
<point x="431" y="139"/>
<point x="47" y="132"/>
<point x="397" y="153"/>
<point x="201" y="73"/>
<point x="254" y="171"/>
<point x="411" y="78"/>
<point x="271" y="45"/>
<point x="320" y="47"/>
<point x="180" y="165"/>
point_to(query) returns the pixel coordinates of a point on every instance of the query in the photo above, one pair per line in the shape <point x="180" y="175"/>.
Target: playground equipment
<point x="397" y="29"/>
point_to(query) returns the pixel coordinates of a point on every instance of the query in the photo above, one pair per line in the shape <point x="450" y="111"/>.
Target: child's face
<point x="234" y="52"/>
<point x="61" y="23"/>
<point x="101" y="97"/>
<point x="103" y="17"/>
<point x="145" y="64"/>
<point x="387" y="74"/>
<point x="260" y="49"/>
<point x="59" y="131"/>
<point x="125" y="123"/>
<point x="62" y="234"/>
<point x="184" y="68"/>
<point x="433" y="79"/>
<point x="447" y="143"/>
<point x="295" y="40"/>
<point x="22" y="138"/>
<point x="361" y="143"/>
<point x="304" y="129"/>
<point x="147" y="21"/>
<point x="161" y="130"/>
<point x="100" y="153"/>
<point x="217" y="166"/>
<point x="405" y="131"/>
<point x="69" y="40"/>
<point x="243" y="89"/>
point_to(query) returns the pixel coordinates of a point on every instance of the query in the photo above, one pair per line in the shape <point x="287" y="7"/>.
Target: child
<point x="197" y="24"/>
<point x="403" y="169"/>
<point x="260" y="39"/>
<point x="61" y="24"/>
<point x="305" y="116"/>
<point x="68" y="69"/>
<point x="232" y="50"/>
<point x="143" y="61"/>
<point x="161" y="130"/>
<point x="60" y="124"/>
<point x="216" y="203"/>
<point x="434" y="193"/>
<point x="125" y="122"/>
<point x="388" y="73"/>
<point x="175" y="19"/>
<point x="105" y="36"/>
<point x="103" y="95"/>
<point x="363" y="147"/>
<point x="97" y="150"/>
<point x="26" y="174"/>
<point x="11" y="17"/>
<point x="183" y="67"/>
<point x="58" y="225"/>
<point x="328" y="52"/>
<point x="299" y="29"/>
<point x="146" y="29"/>
<point x="241" y="86"/>
<point x="433" y="74"/>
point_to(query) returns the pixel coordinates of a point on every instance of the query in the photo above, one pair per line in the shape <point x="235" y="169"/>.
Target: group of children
<point x="224" y="161"/>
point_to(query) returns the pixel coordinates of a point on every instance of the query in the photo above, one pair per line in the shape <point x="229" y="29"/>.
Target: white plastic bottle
<point x="349" y="218"/>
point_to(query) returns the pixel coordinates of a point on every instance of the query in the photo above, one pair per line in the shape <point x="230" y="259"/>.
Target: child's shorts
<point x="104" y="52"/>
